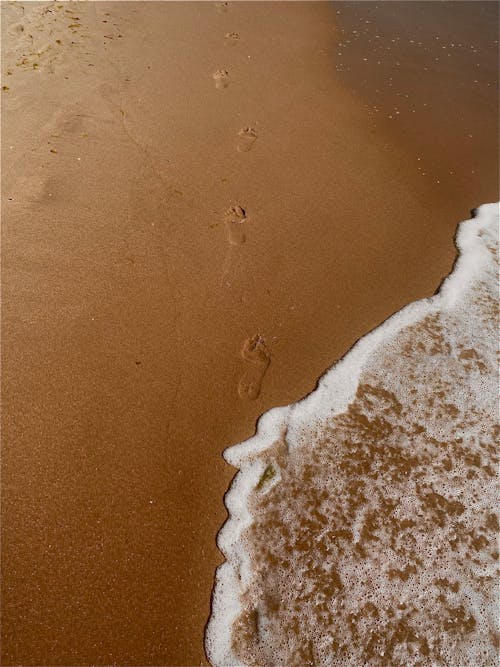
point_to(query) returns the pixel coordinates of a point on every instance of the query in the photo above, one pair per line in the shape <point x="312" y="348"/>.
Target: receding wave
<point x="362" y="528"/>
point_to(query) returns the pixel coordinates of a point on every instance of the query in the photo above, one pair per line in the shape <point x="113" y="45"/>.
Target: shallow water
<point x="363" y="521"/>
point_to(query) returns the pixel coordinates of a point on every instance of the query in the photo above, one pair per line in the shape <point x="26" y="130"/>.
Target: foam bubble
<point x="362" y="525"/>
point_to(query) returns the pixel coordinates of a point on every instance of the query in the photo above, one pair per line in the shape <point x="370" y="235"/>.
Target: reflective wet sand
<point x="427" y="75"/>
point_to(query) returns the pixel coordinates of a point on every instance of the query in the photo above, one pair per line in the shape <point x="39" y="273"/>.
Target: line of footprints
<point x="254" y="350"/>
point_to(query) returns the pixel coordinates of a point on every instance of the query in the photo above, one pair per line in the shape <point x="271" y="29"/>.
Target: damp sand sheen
<point x="362" y="522"/>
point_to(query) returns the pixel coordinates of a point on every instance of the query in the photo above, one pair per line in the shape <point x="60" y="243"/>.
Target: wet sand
<point x="427" y="75"/>
<point x="129" y="293"/>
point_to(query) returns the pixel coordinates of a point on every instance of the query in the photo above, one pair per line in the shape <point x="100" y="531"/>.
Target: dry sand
<point x="129" y="290"/>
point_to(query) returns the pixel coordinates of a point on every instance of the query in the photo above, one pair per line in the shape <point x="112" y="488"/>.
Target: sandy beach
<point x="202" y="210"/>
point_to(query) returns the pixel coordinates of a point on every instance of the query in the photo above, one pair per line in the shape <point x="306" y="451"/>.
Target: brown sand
<point x="128" y="293"/>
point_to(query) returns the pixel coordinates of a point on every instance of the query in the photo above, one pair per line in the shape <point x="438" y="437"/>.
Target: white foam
<point x="335" y="392"/>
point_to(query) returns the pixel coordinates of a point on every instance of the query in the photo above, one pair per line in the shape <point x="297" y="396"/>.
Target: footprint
<point x="45" y="191"/>
<point x="67" y="122"/>
<point x="71" y="123"/>
<point x="16" y="29"/>
<point x="222" y="6"/>
<point x="255" y="352"/>
<point x="247" y="136"/>
<point x="221" y="78"/>
<point x="234" y="219"/>
<point x="231" y="38"/>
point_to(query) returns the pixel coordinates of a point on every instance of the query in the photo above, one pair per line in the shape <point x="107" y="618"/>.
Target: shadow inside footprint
<point x="222" y="6"/>
<point x="16" y="29"/>
<point x="247" y="136"/>
<point x="231" y="38"/>
<point x="221" y="78"/>
<point x="255" y="352"/>
<point x="234" y="219"/>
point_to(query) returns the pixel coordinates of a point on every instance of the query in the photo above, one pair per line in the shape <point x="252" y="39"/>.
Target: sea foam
<point x="362" y="526"/>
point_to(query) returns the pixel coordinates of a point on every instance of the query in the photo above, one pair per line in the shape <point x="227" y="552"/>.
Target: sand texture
<point x="200" y="214"/>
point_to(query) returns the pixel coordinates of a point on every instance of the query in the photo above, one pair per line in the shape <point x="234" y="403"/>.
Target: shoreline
<point x="292" y="432"/>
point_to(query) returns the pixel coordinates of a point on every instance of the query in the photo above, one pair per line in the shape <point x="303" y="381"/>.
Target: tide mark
<point x="256" y="354"/>
<point x="247" y="136"/>
<point x="221" y="78"/>
<point x="234" y="218"/>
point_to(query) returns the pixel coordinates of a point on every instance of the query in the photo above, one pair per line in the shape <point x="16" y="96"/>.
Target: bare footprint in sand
<point x="234" y="219"/>
<point x="255" y="352"/>
<point x="16" y="29"/>
<point x="221" y="78"/>
<point x="231" y="38"/>
<point x="247" y="136"/>
<point x="222" y="6"/>
<point x="70" y="122"/>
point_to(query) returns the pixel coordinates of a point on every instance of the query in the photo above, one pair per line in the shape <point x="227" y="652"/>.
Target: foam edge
<point x="335" y="391"/>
